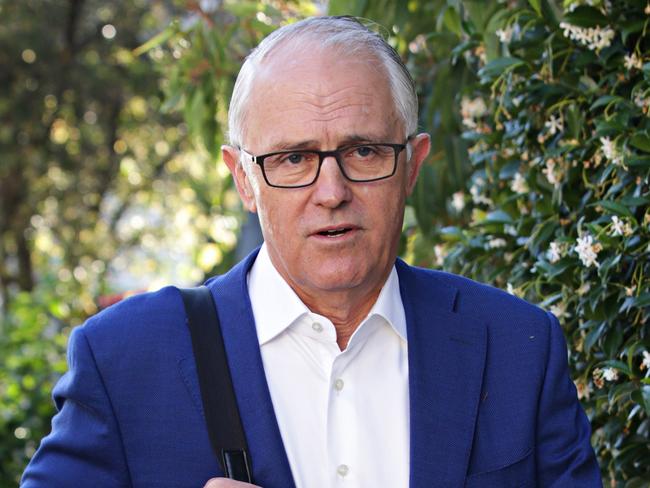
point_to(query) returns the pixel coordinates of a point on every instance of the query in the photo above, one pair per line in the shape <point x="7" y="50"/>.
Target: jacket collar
<point x="447" y="353"/>
<point x="269" y="460"/>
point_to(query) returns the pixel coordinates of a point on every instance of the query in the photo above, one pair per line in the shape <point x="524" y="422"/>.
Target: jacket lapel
<point x="446" y="353"/>
<point x="269" y="460"/>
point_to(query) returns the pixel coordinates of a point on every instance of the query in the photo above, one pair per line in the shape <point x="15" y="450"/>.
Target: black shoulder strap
<point x="219" y="403"/>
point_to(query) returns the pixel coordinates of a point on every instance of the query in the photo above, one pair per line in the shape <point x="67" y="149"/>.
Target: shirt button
<point x="317" y="327"/>
<point x="338" y="386"/>
<point x="343" y="470"/>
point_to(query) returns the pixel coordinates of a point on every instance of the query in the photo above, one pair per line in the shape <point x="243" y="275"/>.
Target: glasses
<point x="359" y="163"/>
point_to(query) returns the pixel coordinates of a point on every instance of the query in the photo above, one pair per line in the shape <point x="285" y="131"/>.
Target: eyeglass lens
<point x="359" y="163"/>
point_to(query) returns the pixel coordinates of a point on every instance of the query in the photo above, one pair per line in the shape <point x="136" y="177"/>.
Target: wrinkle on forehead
<point x="332" y="110"/>
<point x="319" y="94"/>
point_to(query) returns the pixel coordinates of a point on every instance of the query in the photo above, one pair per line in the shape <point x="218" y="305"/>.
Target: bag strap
<point x="219" y="403"/>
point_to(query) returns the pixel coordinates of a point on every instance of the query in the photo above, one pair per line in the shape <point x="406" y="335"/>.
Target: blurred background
<point x="111" y="183"/>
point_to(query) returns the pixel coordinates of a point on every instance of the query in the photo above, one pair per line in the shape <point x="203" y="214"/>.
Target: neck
<point x="346" y="309"/>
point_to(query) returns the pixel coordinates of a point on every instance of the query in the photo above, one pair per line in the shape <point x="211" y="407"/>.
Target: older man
<point x="350" y="368"/>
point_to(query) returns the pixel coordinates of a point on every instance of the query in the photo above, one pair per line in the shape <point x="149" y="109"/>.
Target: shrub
<point x="557" y="203"/>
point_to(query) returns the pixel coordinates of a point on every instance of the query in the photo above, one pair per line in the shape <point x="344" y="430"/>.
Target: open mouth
<point x="334" y="232"/>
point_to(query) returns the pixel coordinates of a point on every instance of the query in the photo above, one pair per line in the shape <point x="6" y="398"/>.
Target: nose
<point x="331" y="189"/>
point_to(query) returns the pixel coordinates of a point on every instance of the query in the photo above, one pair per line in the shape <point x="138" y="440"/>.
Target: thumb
<point x="227" y="483"/>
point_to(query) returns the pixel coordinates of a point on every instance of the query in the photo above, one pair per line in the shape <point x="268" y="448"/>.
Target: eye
<point x="294" y="158"/>
<point x="364" y="151"/>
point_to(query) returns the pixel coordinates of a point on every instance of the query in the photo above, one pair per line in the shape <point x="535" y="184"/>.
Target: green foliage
<point x="32" y="347"/>
<point x="540" y="136"/>
<point x="97" y="188"/>
<point x="557" y="210"/>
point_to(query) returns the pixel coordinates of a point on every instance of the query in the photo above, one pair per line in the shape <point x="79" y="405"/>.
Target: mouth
<point x="335" y="231"/>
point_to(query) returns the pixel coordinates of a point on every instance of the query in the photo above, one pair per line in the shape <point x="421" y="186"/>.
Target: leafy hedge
<point x="557" y="203"/>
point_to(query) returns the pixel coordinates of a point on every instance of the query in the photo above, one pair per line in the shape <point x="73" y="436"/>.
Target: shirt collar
<point x="276" y="306"/>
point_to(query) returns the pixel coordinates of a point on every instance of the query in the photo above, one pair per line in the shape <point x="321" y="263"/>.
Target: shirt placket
<point x="342" y="429"/>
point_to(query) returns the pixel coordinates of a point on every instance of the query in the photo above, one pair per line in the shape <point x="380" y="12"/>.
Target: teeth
<point x="335" y="232"/>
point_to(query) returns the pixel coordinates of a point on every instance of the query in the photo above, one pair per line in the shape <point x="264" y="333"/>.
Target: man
<point x="349" y="367"/>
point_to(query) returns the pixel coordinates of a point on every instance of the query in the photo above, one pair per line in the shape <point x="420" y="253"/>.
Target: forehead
<point x="319" y="95"/>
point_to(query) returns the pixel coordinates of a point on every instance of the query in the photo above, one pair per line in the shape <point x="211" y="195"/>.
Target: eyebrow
<point x="313" y="143"/>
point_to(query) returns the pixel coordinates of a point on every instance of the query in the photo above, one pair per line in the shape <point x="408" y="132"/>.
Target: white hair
<point x="329" y="32"/>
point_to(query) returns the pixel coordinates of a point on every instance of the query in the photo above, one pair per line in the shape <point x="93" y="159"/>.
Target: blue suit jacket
<point x="491" y="401"/>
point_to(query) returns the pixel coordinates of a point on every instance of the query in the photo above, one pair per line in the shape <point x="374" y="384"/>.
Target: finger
<point x="226" y="483"/>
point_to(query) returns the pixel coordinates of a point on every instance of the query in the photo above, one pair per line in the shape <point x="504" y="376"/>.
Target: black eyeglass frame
<point x="336" y="154"/>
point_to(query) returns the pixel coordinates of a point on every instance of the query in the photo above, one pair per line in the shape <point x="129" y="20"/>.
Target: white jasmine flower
<point x="510" y="230"/>
<point x="632" y="61"/>
<point x="629" y="291"/>
<point x="505" y="35"/>
<point x="617" y="226"/>
<point x="553" y="172"/>
<point x="609" y="147"/>
<point x="554" y="125"/>
<point x="610" y="151"/>
<point x="510" y="289"/>
<point x="472" y="110"/>
<point x="646" y="360"/>
<point x="584" y="288"/>
<point x="595" y="38"/>
<point x="496" y="243"/>
<point x="559" y="310"/>
<point x="519" y="184"/>
<point x="620" y="227"/>
<point x="554" y="252"/>
<point x="587" y="250"/>
<point x="440" y="254"/>
<point x="458" y="201"/>
<point x="641" y="101"/>
<point x="475" y="191"/>
<point x="597" y="376"/>
<point x="610" y="374"/>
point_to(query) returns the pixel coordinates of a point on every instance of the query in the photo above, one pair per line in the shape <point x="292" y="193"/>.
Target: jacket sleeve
<point x="84" y="447"/>
<point x="564" y="454"/>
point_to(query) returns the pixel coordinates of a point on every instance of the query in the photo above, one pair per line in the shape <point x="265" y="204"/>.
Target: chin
<point x="338" y="278"/>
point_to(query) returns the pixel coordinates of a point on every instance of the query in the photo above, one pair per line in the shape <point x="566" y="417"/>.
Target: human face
<point x="325" y="101"/>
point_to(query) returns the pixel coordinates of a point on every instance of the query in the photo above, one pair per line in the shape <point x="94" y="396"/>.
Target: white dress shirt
<point x="343" y="415"/>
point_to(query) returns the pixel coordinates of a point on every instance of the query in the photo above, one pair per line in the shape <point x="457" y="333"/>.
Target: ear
<point x="231" y="158"/>
<point x="421" y="145"/>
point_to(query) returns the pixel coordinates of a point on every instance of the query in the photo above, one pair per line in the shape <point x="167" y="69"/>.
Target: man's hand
<point x="226" y="483"/>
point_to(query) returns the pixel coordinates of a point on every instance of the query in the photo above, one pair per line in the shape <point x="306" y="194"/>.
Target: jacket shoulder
<point x="479" y="299"/>
<point x="144" y="321"/>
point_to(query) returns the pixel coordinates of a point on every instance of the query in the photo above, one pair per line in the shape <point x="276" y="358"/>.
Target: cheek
<point x="280" y="218"/>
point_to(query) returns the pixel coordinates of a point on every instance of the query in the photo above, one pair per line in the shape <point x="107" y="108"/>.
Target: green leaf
<point x="452" y="21"/>
<point x="644" y="397"/>
<point x="498" y="217"/>
<point x="498" y="67"/>
<point x="641" y="141"/>
<point x="593" y="335"/>
<point x="619" y="365"/>
<point x="614" y="207"/>
<point x="540" y="236"/>
<point x="536" y="6"/>
<point x="157" y="40"/>
<point x="585" y="16"/>
<point x="641" y="301"/>
<point x="631" y="201"/>
<point x="613" y="342"/>
<point x="618" y="392"/>
<point x="639" y="162"/>
<point x="632" y="27"/>
<point x="605" y="100"/>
